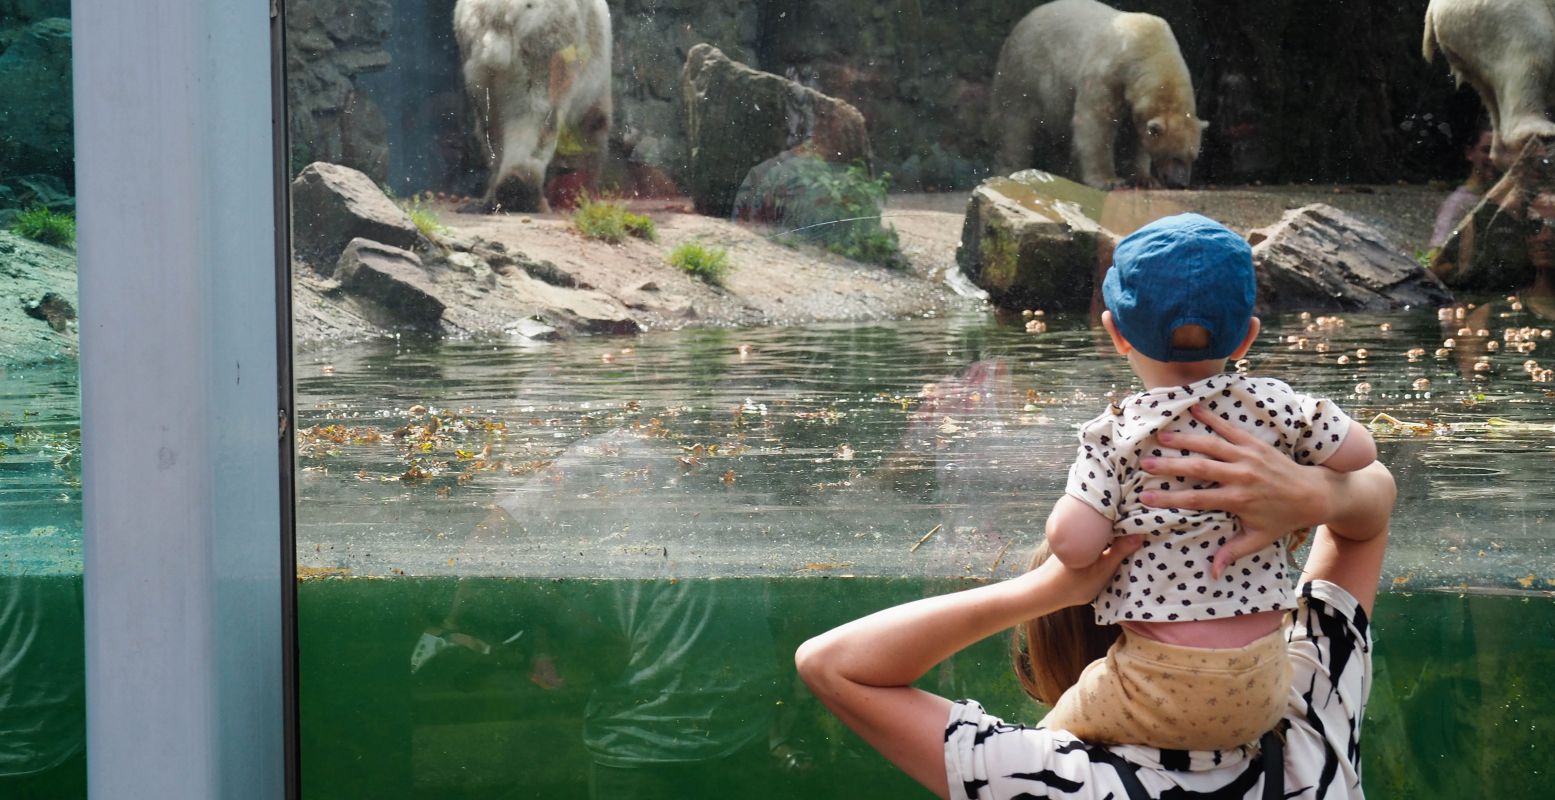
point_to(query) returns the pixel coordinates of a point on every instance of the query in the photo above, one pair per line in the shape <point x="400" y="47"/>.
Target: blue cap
<point x="1181" y="270"/>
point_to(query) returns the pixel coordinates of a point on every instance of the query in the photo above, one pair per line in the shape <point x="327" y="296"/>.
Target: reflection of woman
<point x="864" y="670"/>
<point x="1482" y="173"/>
<point x="1531" y="304"/>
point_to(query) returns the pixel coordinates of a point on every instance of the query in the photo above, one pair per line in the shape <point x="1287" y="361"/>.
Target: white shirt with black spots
<point x="1168" y="579"/>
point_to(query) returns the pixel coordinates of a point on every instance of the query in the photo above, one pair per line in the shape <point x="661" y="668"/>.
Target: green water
<point x="1459" y="707"/>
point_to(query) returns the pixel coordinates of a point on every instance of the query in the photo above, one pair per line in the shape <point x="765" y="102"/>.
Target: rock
<point x="534" y="330"/>
<point x="393" y="278"/>
<point x="52" y="308"/>
<point x="738" y="117"/>
<point x="38" y="282"/>
<point x="468" y="263"/>
<point x="1318" y="258"/>
<point x="1029" y="241"/>
<point x="332" y="204"/>
<point x="582" y="310"/>
<point x="36" y="120"/>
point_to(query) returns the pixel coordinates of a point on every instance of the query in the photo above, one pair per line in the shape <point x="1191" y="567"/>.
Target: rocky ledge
<point x="536" y="277"/>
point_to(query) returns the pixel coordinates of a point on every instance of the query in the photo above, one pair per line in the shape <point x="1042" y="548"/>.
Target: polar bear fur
<point x="1072" y="72"/>
<point x="533" y="70"/>
<point x="1505" y="49"/>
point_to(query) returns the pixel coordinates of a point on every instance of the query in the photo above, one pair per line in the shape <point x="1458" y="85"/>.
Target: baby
<point x="1201" y="663"/>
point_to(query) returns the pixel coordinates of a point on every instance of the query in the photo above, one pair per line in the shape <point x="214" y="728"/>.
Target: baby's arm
<point x="1355" y="452"/>
<point x="1077" y="533"/>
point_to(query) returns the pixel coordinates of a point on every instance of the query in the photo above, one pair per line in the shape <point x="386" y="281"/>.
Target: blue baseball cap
<point x="1180" y="270"/>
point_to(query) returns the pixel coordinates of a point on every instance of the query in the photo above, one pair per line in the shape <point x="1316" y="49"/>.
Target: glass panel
<point x="639" y="341"/>
<point x="42" y="673"/>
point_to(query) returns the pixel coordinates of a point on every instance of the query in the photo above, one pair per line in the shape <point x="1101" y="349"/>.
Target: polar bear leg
<point x="1144" y="176"/>
<point x="1094" y="132"/>
<point x="526" y="146"/>
<point x="1521" y="97"/>
<point x="1016" y="140"/>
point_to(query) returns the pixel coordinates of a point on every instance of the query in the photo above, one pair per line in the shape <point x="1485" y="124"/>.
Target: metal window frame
<point x="185" y="375"/>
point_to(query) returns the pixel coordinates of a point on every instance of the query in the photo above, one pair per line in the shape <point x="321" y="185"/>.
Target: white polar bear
<point x="537" y="71"/>
<point x="1505" y="49"/>
<point x="1072" y="71"/>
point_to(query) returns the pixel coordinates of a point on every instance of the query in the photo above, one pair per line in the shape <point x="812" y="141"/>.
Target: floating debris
<point x="924" y="538"/>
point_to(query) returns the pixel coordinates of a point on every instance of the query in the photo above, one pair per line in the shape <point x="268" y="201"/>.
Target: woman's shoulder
<point x="1330" y="649"/>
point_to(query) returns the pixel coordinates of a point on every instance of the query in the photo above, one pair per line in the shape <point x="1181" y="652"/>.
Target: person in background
<point x="1482" y="175"/>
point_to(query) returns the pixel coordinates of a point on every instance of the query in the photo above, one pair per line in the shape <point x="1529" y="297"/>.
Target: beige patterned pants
<point x="1183" y="698"/>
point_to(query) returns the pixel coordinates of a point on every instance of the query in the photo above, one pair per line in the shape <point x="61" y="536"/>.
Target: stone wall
<point x="330" y="44"/>
<point x="1289" y="98"/>
<point x="37" y="140"/>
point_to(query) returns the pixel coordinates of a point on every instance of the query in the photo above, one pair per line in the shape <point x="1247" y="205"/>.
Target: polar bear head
<point x="1172" y="142"/>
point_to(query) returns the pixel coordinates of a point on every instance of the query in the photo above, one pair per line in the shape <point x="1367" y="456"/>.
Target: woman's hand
<point x="1271" y="494"/>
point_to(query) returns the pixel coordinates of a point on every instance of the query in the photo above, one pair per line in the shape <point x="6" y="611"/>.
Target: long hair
<point x="1050" y="651"/>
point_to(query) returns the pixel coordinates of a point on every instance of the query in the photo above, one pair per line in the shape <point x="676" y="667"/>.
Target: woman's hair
<point x="1051" y="651"/>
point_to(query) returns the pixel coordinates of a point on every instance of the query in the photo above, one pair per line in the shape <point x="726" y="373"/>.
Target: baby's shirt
<point x="1168" y="579"/>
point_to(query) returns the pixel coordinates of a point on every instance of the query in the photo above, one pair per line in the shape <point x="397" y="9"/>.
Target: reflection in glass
<point x="570" y="497"/>
<point x="42" y="673"/>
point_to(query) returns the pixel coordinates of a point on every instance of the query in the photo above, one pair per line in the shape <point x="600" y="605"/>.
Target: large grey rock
<point x="1030" y="242"/>
<point x="37" y="283"/>
<point x="36" y="131"/>
<point x="333" y="204"/>
<point x="392" y="278"/>
<point x="738" y="117"/>
<point x="1318" y="258"/>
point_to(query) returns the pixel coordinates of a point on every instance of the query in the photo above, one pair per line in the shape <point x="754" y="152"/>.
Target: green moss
<point x="709" y="264"/>
<point x="49" y="227"/>
<point x="838" y="208"/>
<point x="608" y="220"/>
<point x="999" y="255"/>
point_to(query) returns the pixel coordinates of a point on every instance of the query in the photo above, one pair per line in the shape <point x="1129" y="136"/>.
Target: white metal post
<point x="179" y="386"/>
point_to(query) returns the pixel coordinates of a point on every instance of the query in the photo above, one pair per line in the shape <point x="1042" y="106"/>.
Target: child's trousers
<point x="1182" y="698"/>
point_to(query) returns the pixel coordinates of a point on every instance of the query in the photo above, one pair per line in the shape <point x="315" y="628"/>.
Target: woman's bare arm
<point x="864" y="670"/>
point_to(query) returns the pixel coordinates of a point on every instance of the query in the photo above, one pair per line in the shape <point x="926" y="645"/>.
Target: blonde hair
<point x="1050" y="651"/>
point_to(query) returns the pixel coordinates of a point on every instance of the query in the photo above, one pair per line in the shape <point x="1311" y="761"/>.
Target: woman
<point x="863" y="671"/>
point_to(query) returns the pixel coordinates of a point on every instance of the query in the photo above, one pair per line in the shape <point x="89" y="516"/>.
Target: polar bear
<point x="1072" y="71"/>
<point x="1505" y="49"/>
<point x="538" y="74"/>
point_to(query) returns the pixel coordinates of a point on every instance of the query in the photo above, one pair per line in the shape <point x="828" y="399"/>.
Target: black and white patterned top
<point x="1168" y="579"/>
<point x="1313" y="754"/>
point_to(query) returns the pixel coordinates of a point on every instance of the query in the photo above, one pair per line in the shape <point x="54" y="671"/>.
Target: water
<point x="42" y="668"/>
<point x="835" y="449"/>
<point x="809" y="475"/>
<point x="1459" y="706"/>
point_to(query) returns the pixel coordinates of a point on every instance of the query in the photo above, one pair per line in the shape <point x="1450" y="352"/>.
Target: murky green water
<point x="1459" y="708"/>
<point x="910" y="456"/>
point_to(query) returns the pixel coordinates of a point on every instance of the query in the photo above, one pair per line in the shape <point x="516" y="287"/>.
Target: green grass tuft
<point x="49" y="227"/>
<point x="423" y="216"/>
<point x="710" y="264"/>
<point x="608" y="220"/>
